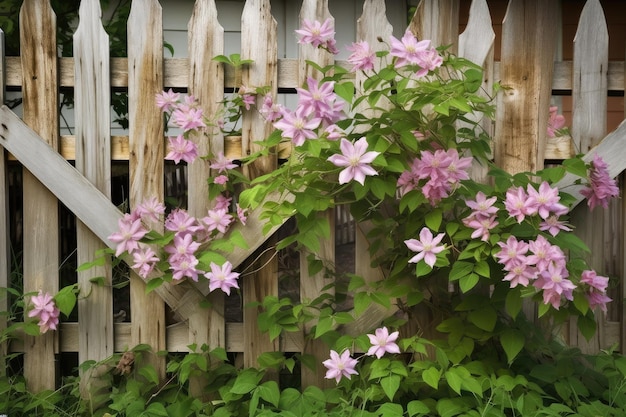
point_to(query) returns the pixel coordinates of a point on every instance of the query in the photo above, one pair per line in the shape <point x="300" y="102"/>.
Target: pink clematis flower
<point x="129" y="234"/>
<point x="555" y="285"/>
<point x="601" y="186"/>
<point x="221" y="163"/>
<point x="517" y="203"/>
<point x="183" y="149"/>
<point x="356" y="159"/>
<point x="188" y="118"/>
<point x="340" y="366"/>
<point x="383" y="342"/>
<point x="180" y="222"/>
<point x="316" y="33"/>
<point x="426" y="247"/>
<point x="45" y="310"/>
<point x="362" y="57"/>
<point x="144" y="261"/>
<point x="217" y="220"/>
<point x="553" y="225"/>
<point x="222" y="277"/>
<point x="271" y="110"/>
<point x="297" y="126"/>
<point x="555" y="121"/>
<point x="150" y="210"/>
<point x="184" y="266"/>
<point x="545" y="201"/>
<point x="167" y="101"/>
<point x="408" y="49"/>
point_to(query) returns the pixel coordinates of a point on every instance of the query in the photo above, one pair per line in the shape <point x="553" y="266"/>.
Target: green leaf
<point x="513" y="302"/>
<point x="66" y="299"/>
<point x="433" y="219"/>
<point x="473" y="80"/>
<point x="323" y="326"/>
<point x="512" y="341"/>
<point x="431" y="376"/>
<point x="269" y="391"/>
<point x="587" y="325"/>
<point x="149" y="373"/>
<point x="576" y="166"/>
<point x="468" y="282"/>
<point x="460" y="269"/>
<point x="484" y="318"/>
<point x="361" y="302"/>
<point x="345" y="90"/>
<point x="417" y="408"/>
<point x="482" y="269"/>
<point x="389" y="410"/>
<point x="454" y="380"/>
<point x="153" y="284"/>
<point x="390" y="385"/>
<point x="246" y="381"/>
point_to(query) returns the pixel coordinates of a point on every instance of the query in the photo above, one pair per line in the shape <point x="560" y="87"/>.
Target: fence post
<point x="40" y="222"/>
<point x="259" y="43"/>
<point x="92" y="97"/>
<point x="147" y="152"/>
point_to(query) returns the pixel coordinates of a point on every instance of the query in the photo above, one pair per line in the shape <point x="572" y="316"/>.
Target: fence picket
<point x="206" y="81"/>
<point x="93" y="158"/>
<point x="437" y="20"/>
<point x="5" y="253"/>
<point x="145" y="80"/>
<point x="311" y="285"/>
<point x="589" y="96"/>
<point x="259" y="43"/>
<point x="41" y="225"/>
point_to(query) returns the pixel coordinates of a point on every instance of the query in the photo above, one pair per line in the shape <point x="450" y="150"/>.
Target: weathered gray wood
<point x="40" y="221"/>
<point x="259" y="43"/>
<point x="145" y="80"/>
<point x="5" y="254"/>
<point x="589" y="96"/>
<point x="93" y="160"/>
<point x="438" y="21"/>
<point x="526" y="75"/>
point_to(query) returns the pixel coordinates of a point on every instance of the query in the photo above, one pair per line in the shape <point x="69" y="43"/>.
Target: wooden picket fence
<point x="526" y="68"/>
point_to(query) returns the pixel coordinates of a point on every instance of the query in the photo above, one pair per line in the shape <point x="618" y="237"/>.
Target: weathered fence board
<point x="93" y="159"/>
<point x="437" y="20"/>
<point x="145" y="80"/>
<point x="5" y="253"/>
<point x="41" y="250"/>
<point x="259" y="43"/>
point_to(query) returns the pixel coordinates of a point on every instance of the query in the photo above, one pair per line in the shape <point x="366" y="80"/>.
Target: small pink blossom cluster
<point x="410" y="51"/>
<point x="318" y="106"/>
<point x="545" y="202"/>
<point x="185" y="114"/>
<point x="188" y="234"/>
<point x="320" y="35"/>
<point x="44" y="309"/>
<point x="483" y="216"/>
<point x="362" y="57"/>
<point x="344" y="365"/>
<point x="442" y="170"/>
<point x="601" y="186"/>
<point x="556" y="121"/>
<point x="596" y="293"/>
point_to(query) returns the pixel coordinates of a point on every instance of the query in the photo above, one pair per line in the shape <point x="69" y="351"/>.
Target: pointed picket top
<point x="590" y="77"/>
<point x="438" y="21"/>
<point x="92" y="99"/>
<point x="477" y="40"/>
<point x="311" y="11"/>
<point x="41" y="249"/>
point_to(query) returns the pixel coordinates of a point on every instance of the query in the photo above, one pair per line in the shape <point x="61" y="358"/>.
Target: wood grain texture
<point x="437" y="20"/>
<point x="526" y="75"/>
<point x="311" y="285"/>
<point x="93" y="159"/>
<point x="145" y="80"/>
<point x="259" y="43"/>
<point x="40" y="221"/>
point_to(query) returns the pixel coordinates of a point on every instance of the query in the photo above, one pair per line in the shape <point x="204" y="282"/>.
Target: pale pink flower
<point x="428" y="60"/>
<point x="316" y="33"/>
<point x="545" y="201"/>
<point x="520" y="273"/>
<point x="297" y="126"/>
<point x="340" y="366"/>
<point x="222" y="277"/>
<point x="543" y="253"/>
<point x="150" y="210"/>
<point x="184" y="266"/>
<point x="426" y="247"/>
<point x="595" y="281"/>
<point x="270" y="110"/>
<point x="408" y="49"/>
<point x="217" y="220"/>
<point x="248" y="96"/>
<point x="167" y="101"/>
<point x="144" y="261"/>
<point x="512" y="252"/>
<point x="183" y="244"/>
<point x="242" y="214"/>
<point x="555" y="121"/>
<point x="553" y="225"/>
<point x="220" y="179"/>
<point x="334" y="132"/>
<point x="45" y="310"/>
<point x="180" y="222"/>
<point x="383" y="342"/>
<point x="180" y="148"/>
<point x="598" y="299"/>
<point x="555" y="285"/>
<point x="482" y="206"/>
<point x="188" y="118"/>
<point x="129" y="234"/>
<point x="221" y="163"/>
<point x="362" y="57"/>
<point x="222" y="202"/>
<point x="320" y="101"/>
<point x="356" y="159"/>
<point x="601" y="187"/>
<point x="482" y="226"/>
<point x="517" y="203"/>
